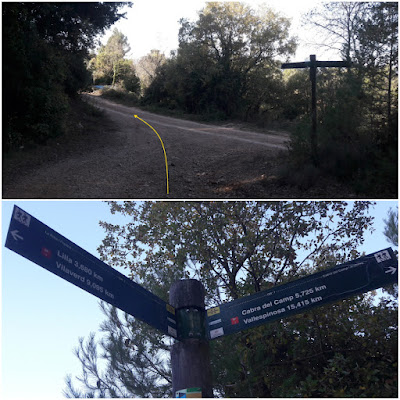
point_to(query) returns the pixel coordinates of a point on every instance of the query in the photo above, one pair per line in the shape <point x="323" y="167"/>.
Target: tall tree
<point x="366" y="34"/>
<point x="337" y="24"/>
<point x="235" y="249"/>
<point x="109" y="62"/>
<point x="378" y="53"/>
<point x="44" y="48"/>
<point x="223" y="55"/>
<point x="148" y="65"/>
<point x="357" y="115"/>
<point x="392" y="227"/>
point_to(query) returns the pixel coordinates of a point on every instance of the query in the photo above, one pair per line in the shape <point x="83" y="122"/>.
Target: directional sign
<point x="37" y="242"/>
<point x="313" y="64"/>
<point x="359" y="276"/>
<point x="308" y="64"/>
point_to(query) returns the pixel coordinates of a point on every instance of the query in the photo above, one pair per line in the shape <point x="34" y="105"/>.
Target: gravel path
<point x="204" y="161"/>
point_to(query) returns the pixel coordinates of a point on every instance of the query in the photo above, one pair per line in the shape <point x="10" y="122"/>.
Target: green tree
<point x="127" y="73"/>
<point x="392" y="227"/>
<point x="235" y="249"/>
<point x="337" y="24"/>
<point x="297" y="99"/>
<point x="109" y="63"/>
<point x="148" y="65"/>
<point x="110" y="66"/>
<point x="44" y="48"/>
<point x="366" y="34"/>
<point x="136" y="360"/>
<point x="221" y="59"/>
<point x="378" y="55"/>
<point x="357" y="117"/>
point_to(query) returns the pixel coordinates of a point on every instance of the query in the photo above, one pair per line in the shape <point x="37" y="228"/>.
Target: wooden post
<point x="190" y="357"/>
<point x="313" y="77"/>
<point x="313" y="64"/>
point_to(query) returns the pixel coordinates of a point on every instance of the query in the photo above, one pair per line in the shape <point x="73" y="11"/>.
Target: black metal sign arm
<point x="305" y="64"/>
<point x="355" y="277"/>
<point x="30" y="238"/>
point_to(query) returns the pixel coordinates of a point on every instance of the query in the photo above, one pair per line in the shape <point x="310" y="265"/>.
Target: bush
<point x="42" y="67"/>
<point x="120" y="95"/>
<point x="131" y="83"/>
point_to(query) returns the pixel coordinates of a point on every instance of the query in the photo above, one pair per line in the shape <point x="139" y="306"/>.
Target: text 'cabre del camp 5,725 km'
<point x="359" y="276"/>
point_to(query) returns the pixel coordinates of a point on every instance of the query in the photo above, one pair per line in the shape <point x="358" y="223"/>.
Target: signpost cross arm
<point x="313" y="64"/>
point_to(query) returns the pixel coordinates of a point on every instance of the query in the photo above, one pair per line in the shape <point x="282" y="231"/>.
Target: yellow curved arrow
<point x="162" y="144"/>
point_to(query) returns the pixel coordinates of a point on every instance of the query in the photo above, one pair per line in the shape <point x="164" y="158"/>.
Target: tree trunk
<point x="389" y="111"/>
<point x="114" y="73"/>
<point x="390" y="87"/>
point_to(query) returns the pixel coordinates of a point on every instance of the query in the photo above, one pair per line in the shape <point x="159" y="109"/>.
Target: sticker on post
<point x="189" y="393"/>
<point x="382" y="256"/>
<point x="172" y="331"/>
<point x="171" y="309"/>
<point x="213" y="311"/>
<point x="216" y="333"/>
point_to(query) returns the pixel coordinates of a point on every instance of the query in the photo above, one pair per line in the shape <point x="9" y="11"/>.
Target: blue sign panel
<point x="359" y="276"/>
<point x="37" y="242"/>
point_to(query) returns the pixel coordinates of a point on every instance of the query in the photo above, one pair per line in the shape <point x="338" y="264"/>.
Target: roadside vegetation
<point x="45" y="49"/>
<point x="86" y="129"/>
<point x="226" y="68"/>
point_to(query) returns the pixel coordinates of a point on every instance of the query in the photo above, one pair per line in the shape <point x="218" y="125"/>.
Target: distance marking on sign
<point x="355" y="277"/>
<point x="40" y="244"/>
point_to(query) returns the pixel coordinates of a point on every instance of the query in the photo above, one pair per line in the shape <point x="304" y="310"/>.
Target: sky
<point x="43" y="315"/>
<point x="153" y="24"/>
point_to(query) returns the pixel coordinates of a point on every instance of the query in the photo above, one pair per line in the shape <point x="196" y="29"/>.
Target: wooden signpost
<point x="313" y="64"/>
<point x="186" y="318"/>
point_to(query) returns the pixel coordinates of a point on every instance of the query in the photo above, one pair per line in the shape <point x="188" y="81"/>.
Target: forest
<point x="45" y="47"/>
<point x="227" y="67"/>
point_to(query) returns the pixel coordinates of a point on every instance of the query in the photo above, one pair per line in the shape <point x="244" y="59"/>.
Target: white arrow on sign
<point x="391" y="270"/>
<point x="16" y="236"/>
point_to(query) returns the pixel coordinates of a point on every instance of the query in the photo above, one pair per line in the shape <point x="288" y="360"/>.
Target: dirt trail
<point x="205" y="161"/>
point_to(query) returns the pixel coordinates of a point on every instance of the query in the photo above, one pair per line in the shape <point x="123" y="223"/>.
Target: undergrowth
<point x="369" y="167"/>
